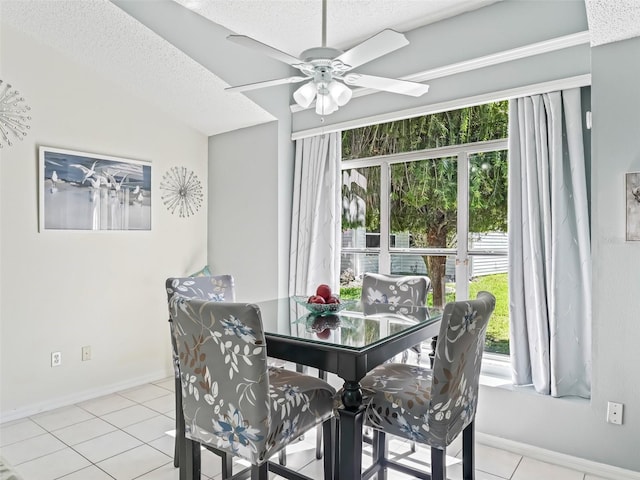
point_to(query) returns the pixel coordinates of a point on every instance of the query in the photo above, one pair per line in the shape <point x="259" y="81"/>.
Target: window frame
<point x="462" y="252"/>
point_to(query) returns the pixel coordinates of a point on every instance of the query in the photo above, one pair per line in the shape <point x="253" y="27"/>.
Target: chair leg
<point x="260" y="472"/>
<point x="438" y="464"/>
<point x="227" y="465"/>
<point x="328" y="434"/>
<point x="180" y="439"/>
<point x="191" y="464"/>
<point x="379" y="452"/>
<point x="336" y="450"/>
<point x="322" y="375"/>
<point x="319" y="444"/>
<point x="176" y="449"/>
<point x="468" y="447"/>
<point x="179" y="422"/>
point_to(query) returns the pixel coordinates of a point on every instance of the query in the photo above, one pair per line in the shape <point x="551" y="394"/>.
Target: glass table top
<point x="356" y="327"/>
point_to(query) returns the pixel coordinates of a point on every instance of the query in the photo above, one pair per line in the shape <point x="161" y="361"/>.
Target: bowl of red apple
<point x="322" y="325"/>
<point x="323" y="301"/>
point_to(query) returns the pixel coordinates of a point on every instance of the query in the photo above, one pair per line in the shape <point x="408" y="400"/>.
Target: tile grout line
<point x="516" y="469"/>
<point x="117" y="428"/>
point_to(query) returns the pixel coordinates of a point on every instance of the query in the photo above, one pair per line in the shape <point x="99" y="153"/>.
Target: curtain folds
<point x="316" y="214"/>
<point x="549" y="245"/>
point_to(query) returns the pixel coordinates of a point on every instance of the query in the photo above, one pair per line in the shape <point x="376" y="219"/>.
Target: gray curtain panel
<point x="549" y="245"/>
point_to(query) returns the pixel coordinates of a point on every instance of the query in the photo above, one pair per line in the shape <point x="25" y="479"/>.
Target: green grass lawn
<point x="498" y="330"/>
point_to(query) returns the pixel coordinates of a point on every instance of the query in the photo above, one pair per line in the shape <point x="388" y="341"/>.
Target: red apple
<point x="323" y="291"/>
<point x="326" y="333"/>
<point x="333" y="299"/>
<point x="316" y="299"/>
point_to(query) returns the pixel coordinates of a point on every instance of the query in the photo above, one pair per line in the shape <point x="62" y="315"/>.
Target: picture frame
<point x="632" y="191"/>
<point x="89" y="191"/>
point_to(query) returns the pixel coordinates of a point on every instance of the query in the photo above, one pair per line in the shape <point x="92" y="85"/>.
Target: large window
<point x="431" y="200"/>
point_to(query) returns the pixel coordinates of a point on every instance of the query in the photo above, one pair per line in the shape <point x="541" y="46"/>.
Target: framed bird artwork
<point x="632" y="192"/>
<point x="87" y="191"/>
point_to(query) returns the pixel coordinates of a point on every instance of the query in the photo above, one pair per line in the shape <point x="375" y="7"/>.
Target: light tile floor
<point x="124" y="436"/>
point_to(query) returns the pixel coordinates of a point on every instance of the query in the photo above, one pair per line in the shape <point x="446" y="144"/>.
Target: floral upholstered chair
<point x="381" y="292"/>
<point x="429" y="406"/>
<point x="394" y="289"/>
<point x="232" y="400"/>
<point x="218" y="288"/>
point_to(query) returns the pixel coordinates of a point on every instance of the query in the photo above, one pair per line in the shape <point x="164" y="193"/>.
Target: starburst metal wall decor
<point x="13" y="115"/>
<point x="183" y="191"/>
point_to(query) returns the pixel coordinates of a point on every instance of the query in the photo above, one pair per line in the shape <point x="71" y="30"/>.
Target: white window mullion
<point x="462" y="257"/>
<point x="384" y="260"/>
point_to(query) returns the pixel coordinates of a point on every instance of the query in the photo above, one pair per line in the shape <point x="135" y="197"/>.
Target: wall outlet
<point x="86" y="353"/>
<point x="614" y="413"/>
<point x="56" y="359"/>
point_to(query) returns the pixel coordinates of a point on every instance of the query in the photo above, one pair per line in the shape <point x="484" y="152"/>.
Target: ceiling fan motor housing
<point x="320" y="53"/>
<point x="322" y="76"/>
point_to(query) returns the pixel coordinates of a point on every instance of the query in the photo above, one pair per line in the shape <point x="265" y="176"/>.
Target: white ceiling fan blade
<point x="266" y="83"/>
<point x="265" y="49"/>
<point x="404" y="87"/>
<point x="380" y="44"/>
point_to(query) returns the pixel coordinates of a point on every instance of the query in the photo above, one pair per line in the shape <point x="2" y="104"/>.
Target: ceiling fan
<point x="328" y="70"/>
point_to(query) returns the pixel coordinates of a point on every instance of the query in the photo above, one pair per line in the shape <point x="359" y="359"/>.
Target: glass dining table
<point x="348" y="343"/>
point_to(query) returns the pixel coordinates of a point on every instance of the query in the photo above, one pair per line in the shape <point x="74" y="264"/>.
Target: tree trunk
<point x="436" y="266"/>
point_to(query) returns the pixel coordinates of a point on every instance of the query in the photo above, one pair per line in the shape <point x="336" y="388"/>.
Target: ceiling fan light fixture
<point x="325" y="104"/>
<point x="305" y="94"/>
<point x="339" y="92"/>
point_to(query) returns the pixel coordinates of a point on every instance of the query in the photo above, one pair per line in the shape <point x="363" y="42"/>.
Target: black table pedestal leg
<point x="349" y="452"/>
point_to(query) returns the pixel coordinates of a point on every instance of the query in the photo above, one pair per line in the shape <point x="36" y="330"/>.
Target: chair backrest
<point x="219" y="288"/>
<point x="394" y="289"/>
<point x="225" y="382"/>
<point x="456" y="367"/>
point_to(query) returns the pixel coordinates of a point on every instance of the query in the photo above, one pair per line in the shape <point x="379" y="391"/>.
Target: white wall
<point x="250" y="197"/>
<point x="63" y="290"/>
<point x="243" y="233"/>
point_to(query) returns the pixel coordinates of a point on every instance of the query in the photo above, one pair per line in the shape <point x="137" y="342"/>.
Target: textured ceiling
<point x="103" y="37"/>
<point x="295" y="25"/>
<point x="613" y="20"/>
<point x="100" y="35"/>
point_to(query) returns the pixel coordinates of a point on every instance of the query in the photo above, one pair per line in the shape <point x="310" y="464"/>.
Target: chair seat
<point x="297" y="402"/>
<point x="399" y="402"/>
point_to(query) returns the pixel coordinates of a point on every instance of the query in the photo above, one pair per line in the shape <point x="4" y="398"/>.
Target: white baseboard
<point x="568" y="461"/>
<point x="77" y="397"/>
